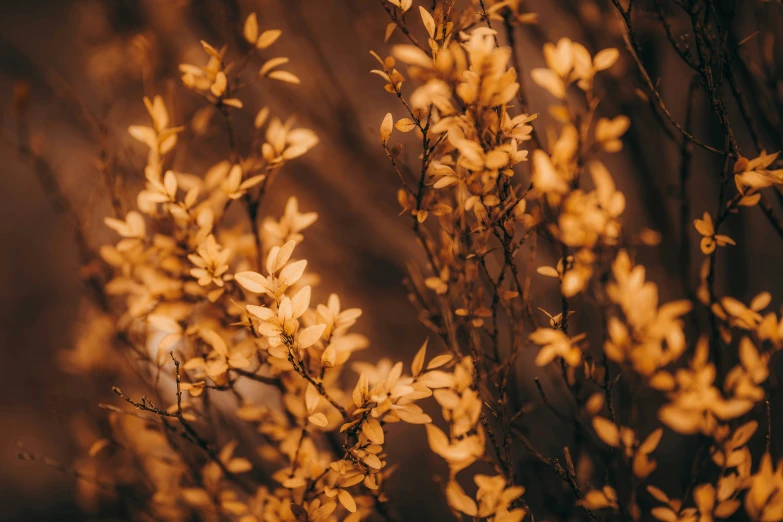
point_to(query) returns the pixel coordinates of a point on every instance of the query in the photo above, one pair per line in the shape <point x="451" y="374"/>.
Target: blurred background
<point x="88" y="63"/>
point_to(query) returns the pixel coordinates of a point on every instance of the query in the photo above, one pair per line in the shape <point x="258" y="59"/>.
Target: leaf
<point x="346" y="500"/>
<point x="405" y="125"/>
<point x="458" y="500"/>
<point x="658" y="494"/>
<point x="606" y="129"/>
<point x="281" y="256"/>
<point x="361" y="390"/>
<point x="761" y="301"/>
<point x="301" y="301"/>
<point x="322" y="513"/>
<point x="743" y="434"/>
<point x="651" y="442"/>
<point x="429" y="22"/>
<point x="595" y="499"/>
<point x="239" y="465"/>
<point x="164" y="323"/>
<point x="97" y="446"/>
<point x="605" y="59"/>
<point x="373" y="461"/>
<point x="681" y="421"/>
<point x="312" y="398"/>
<point x="390" y="27"/>
<point x="267" y="38"/>
<point x="438" y="441"/>
<point x="261" y="312"/>
<point x="418" y="360"/>
<point x="411" y="416"/>
<point x="607" y="431"/>
<point x="310" y="335"/>
<point x="146" y="135"/>
<point x="437" y="379"/>
<point x="261" y="117"/>
<point x="704" y="226"/>
<point x="727" y="508"/>
<point x="704" y="497"/>
<point x="251" y="182"/>
<point x="196" y="496"/>
<point x="319" y="419"/>
<point x="351" y="480"/>
<point x="386" y="128"/>
<point x="412" y="55"/>
<point x="284" y="76"/>
<point x="135" y="223"/>
<point x="329" y="357"/>
<point x="545" y="177"/>
<point x="293" y="272"/>
<point x="221" y="82"/>
<point x="233" y="102"/>
<point x="194" y="363"/>
<point x="548" y="80"/>
<point x="445" y="181"/>
<point x="269" y="65"/>
<point x="294" y="482"/>
<point x="664" y="514"/>
<point x="251" y="28"/>
<point x="373" y="430"/>
<point x="217" y="342"/>
<point x="210" y="50"/>
<point x="439" y="361"/>
<point x="547" y="271"/>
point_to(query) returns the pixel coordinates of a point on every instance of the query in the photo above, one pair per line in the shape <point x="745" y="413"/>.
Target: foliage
<point x="213" y="314"/>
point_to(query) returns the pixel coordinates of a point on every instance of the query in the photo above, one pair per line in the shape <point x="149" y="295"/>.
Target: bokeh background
<point x="86" y="57"/>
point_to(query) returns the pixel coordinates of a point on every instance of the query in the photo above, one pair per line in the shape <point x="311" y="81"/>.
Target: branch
<point x="146" y="405"/>
<point x="555" y="466"/>
<point x="634" y="48"/>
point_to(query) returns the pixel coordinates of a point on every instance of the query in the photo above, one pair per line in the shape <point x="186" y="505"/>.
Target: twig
<point x="633" y="47"/>
<point x="555" y="466"/>
<point x="146" y="405"/>
<point x="25" y="454"/>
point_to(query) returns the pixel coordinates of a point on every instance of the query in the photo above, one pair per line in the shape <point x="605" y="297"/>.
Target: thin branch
<point x="634" y="48"/>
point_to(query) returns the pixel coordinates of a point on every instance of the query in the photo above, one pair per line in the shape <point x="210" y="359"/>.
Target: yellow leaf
<point x="405" y="125"/>
<point x="651" y="442"/>
<point x="547" y="271"/>
<point x="284" y="76"/>
<point x="605" y="59"/>
<point x="418" y="360"/>
<point x="439" y="361"/>
<point x="271" y="64"/>
<point x="373" y="430"/>
<point x="390" y="27"/>
<point x="239" y="465"/>
<point x="373" y="461"/>
<point x="318" y="419"/>
<point x="429" y="22"/>
<point x="267" y="38"/>
<point x="361" y="390"/>
<point x="607" y="431"/>
<point x="97" y="446"/>
<point x="346" y="500"/>
<point x="386" y="128"/>
<point x="251" y="28"/>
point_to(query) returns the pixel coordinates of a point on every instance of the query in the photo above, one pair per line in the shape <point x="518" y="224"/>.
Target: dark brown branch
<point x="632" y="44"/>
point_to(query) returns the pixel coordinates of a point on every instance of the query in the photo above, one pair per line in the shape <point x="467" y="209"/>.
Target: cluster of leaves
<point x="474" y="137"/>
<point x="218" y="318"/>
<point x="197" y="307"/>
